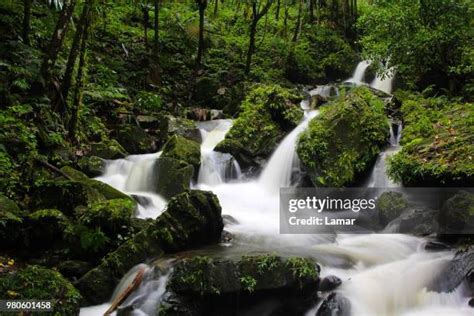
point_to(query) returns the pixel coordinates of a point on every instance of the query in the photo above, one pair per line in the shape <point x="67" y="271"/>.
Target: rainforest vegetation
<point x="86" y="81"/>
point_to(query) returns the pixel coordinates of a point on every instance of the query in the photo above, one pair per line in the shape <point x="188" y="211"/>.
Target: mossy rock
<point x="180" y="148"/>
<point x="390" y="206"/>
<point x="106" y="190"/>
<point x="108" y="149"/>
<point x="345" y="139"/>
<point x="111" y="216"/>
<point x="173" y="176"/>
<point x="200" y="276"/>
<point x="92" y="166"/>
<point x="11" y="220"/>
<point x="191" y="219"/>
<point x="46" y="228"/>
<point x="171" y="125"/>
<point x="35" y="282"/>
<point x="437" y="141"/>
<point x="457" y="214"/>
<point x="135" y="140"/>
<point x="267" y="114"/>
<point x="73" y="269"/>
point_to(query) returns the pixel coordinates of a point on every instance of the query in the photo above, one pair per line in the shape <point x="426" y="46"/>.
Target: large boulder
<point x="191" y="219"/>
<point x="335" y="305"/>
<point x="171" y="125"/>
<point x="45" y="228"/>
<point x="38" y="283"/>
<point x="180" y="148"/>
<point x="267" y="114"/>
<point x="207" y="285"/>
<point x="390" y="206"/>
<point x="135" y="140"/>
<point x="173" y="176"/>
<point x="345" y="139"/>
<point x="108" y="149"/>
<point x="437" y="150"/>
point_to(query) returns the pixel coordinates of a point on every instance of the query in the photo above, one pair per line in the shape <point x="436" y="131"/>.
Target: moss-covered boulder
<point x="457" y="214"/>
<point x="267" y="114"/>
<point x="92" y="166"/>
<point x="46" y="228"/>
<point x="111" y="216"/>
<point x="438" y="143"/>
<point x="171" y="125"/>
<point x="64" y="195"/>
<point x="390" y="206"/>
<point x="344" y="139"/>
<point x="11" y="219"/>
<point x="108" y="149"/>
<point x="135" y="140"/>
<point x="35" y="282"/>
<point x="173" y="176"/>
<point x="191" y="219"/>
<point x="180" y="148"/>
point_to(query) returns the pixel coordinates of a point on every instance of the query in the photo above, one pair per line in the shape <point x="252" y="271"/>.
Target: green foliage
<point x="248" y="283"/>
<point x="437" y="142"/>
<point x="302" y="268"/>
<point x="428" y="42"/>
<point x="35" y="282"/>
<point x="183" y="149"/>
<point x="344" y="139"/>
<point x="149" y="101"/>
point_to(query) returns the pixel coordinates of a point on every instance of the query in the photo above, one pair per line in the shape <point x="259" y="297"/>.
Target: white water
<point x="359" y="72"/>
<point x="284" y="162"/>
<point x="215" y="167"/>
<point x="134" y="176"/>
<point x="379" y="177"/>
<point x="382" y="83"/>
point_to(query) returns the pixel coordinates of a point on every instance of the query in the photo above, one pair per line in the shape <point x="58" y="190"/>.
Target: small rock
<point x="228" y="220"/>
<point x="329" y="283"/>
<point x="436" y="246"/>
<point x="226" y="237"/>
<point x="471" y="302"/>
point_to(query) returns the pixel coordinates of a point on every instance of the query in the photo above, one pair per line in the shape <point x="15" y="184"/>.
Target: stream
<point x="382" y="274"/>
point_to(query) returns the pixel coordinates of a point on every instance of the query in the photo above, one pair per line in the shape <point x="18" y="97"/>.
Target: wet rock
<point x="108" y="149"/>
<point x="46" y="228"/>
<point x="460" y="269"/>
<point x="170" y="125"/>
<point x="329" y="283"/>
<point x="436" y="246"/>
<point x="228" y="219"/>
<point x="191" y="219"/>
<point x="390" y="206"/>
<point x="135" y="140"/>
<point x="343" y="141"/>
<point x="335" y="305"/>
<point x="416" y="220"/>
<point x="180" y="148"/>
<point x="173" y="176"/>
<point x="92" y="166"/>
<point x="226" y="237"/>
<point x="73" y="269"/>
<point x="471" y="302"/>
<point x="35" y="282"/>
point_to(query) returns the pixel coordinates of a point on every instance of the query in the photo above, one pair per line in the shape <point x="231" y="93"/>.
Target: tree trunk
<point x="202" y="7"/>
<point x="79" y="83"/>
<point x="277" y="14"/>
<point x="26" y="21"/>
<point x="157" y="24"/>
<point x="251" y="49"/>
<point x="216" y="7"/>
<point x="73" y="53"/>
<point x="57" y="40"/>
<point x="146" y="20"/>
<point x="298" y="22"/>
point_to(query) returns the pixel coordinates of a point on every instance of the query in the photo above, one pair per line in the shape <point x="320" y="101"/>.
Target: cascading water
<point x="284" y="162"/>
<point x="134" y="176"/>
<point x="215" y="167"/>
<point x="378" y="177"/>
<point x="359" y="73"/>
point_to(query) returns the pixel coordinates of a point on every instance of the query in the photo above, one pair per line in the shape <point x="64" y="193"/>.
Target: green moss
<point x="390" y="205"/>
<point x="35" y="282"/>
<point x="183" y="149"/>
<point x="173" y="176"/>
<point x="267" y="113"/>
<point x="108" y="149"/>
<point x="457" y="213"/>
<point x="438" y="143"/>
<point x="135" y="140"/>
<point x="303" y="268"/>
<point x="344" y="139"/>
<point x="11" y="220"/>
<point x="92" y="166"/>
<point x="248" y="283"/>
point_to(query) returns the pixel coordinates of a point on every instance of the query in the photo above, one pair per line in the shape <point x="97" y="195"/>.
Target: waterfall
<point x="325" y="91"/>
<point x="134" y="176"/>
<point x="215" y="167"/>
<point x="378" y="177"/>
<point x="384" y="83"/>
<point x="284" y="162"/>
<point x="359" y="72"/>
